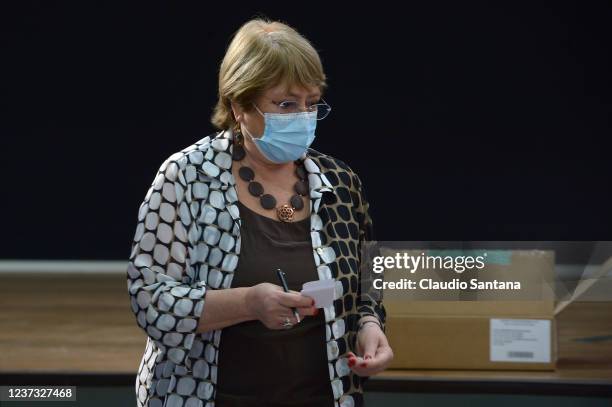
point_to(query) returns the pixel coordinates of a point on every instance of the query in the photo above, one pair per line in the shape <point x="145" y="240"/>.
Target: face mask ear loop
<point x="259" y="110"/>
<point x="248" y="133"/>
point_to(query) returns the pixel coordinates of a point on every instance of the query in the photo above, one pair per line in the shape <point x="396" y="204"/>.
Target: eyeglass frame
<point x="307" y="109"/>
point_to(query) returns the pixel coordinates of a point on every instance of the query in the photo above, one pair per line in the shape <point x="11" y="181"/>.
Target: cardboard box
<point x="480" y="329"/>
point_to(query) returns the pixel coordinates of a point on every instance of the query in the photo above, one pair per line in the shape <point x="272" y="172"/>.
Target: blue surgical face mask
<point x="286" y="135"/>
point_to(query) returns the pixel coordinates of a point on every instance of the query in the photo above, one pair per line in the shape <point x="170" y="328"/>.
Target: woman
<point x="219" y="219"/>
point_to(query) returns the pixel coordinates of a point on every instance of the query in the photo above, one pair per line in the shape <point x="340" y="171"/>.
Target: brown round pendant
<point x="285" y="213"/>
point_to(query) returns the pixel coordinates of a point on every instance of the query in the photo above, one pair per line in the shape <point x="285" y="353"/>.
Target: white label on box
<point x="520" y="340"/>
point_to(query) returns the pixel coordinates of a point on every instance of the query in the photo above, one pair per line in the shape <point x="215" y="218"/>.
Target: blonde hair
<point x="261" y="55"/>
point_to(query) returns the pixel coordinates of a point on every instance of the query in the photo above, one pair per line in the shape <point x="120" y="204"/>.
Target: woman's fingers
<point x="278" y="321"/>
<point x="371" y="366"/>
<point x="287" y="313"/>
<point x="303" y="310"/>
<point x="307" y="311"/>
<point x="291" y="318"/>
<point x="293" y="299"/>
<point x="354" y="360"/>
<point x="382" y="358"/>
<point x="370" y="349"/>
<point x="280" y="306"/>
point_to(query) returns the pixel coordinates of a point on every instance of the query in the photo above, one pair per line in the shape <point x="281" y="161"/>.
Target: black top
<point x="261" y="366"/>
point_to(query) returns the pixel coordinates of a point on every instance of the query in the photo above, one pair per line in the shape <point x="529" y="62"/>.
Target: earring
<point x="238" y="151"/>
<point x="238" y="134"/>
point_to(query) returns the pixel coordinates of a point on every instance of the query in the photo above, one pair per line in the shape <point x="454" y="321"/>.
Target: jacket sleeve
<point x="166" y="297"/>
<point x="367" y="304"/>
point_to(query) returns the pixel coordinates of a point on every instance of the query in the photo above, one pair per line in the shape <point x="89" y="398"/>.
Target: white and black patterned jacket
<point x="187" y="242"/>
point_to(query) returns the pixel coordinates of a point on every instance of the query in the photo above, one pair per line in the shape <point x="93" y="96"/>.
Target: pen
<point x="281" y="276"/>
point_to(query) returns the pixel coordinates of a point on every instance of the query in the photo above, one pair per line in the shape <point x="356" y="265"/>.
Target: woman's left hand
<point x="374" y="352"/>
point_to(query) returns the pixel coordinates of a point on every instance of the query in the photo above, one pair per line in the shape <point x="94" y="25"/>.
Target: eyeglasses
<point x="292" y="106"/>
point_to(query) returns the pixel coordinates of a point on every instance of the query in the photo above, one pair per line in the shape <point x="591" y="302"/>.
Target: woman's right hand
<point x="271" y="305"/>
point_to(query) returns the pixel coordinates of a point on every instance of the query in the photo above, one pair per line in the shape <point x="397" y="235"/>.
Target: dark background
<point x="465" y="121"/>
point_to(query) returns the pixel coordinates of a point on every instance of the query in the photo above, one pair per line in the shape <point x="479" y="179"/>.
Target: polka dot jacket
<point x="187" y="242"/>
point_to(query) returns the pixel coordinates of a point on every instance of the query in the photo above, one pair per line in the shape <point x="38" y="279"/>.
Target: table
<point x="60" y="329"/>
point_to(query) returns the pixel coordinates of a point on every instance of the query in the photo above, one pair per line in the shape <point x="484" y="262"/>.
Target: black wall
<point x="465" y="122"/>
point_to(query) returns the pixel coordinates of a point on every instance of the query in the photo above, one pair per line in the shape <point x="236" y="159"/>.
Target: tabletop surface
<point x="82" y="324"/>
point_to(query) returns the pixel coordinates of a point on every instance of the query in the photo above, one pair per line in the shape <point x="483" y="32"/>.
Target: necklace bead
<point x="301" y="187"/>
<point x="256" y="189"/>
<point x="297" y="202"/>
<point x="267" y="201"/>
<point x="246" y="173"/>
<point x="300" y="172"/>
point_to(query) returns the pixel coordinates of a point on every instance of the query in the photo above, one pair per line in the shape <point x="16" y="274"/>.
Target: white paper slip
<point x="322" y="291"/>
<point x="520" y="340"/>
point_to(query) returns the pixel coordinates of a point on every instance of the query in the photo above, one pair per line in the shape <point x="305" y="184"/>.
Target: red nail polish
<point x="351" y="362"/>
